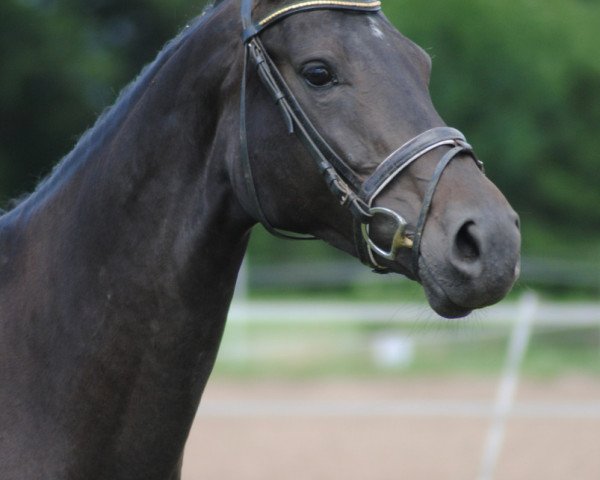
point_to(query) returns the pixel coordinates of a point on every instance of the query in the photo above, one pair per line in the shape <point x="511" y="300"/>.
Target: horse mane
<point x="113" y="115"/>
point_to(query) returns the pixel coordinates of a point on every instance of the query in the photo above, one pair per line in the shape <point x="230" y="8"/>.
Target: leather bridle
<point x="342" y="181"/>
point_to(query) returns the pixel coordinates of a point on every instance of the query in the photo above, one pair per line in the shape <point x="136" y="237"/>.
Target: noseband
<point x="342" y="181"/>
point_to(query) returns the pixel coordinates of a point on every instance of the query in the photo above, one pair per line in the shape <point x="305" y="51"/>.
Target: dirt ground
<point x="390" y="430"/>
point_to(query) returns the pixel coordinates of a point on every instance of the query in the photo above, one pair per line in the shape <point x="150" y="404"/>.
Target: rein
<point x="340" y="178"/>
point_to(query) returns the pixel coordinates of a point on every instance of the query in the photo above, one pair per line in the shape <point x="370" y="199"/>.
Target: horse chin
<point x="443" y="305"/>
<point x="437" y="297"/>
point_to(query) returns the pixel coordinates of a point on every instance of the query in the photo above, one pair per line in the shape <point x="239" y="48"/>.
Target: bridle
<point x="342" y="181"/>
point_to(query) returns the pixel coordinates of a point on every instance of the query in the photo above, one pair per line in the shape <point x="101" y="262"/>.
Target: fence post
<point x="507" y="389"/>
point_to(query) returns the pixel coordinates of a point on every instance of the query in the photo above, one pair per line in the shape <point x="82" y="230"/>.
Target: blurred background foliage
<point x="520" y="77"/>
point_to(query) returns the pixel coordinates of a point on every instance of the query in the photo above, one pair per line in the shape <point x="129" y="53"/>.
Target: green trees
<point x="521" y="78"/>
<point x="62" y="62"/>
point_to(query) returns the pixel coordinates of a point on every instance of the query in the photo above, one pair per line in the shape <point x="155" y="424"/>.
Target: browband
<point x="252" y="29"/>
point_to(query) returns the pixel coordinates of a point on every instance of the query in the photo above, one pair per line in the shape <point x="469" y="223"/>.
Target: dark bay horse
<point x="116" y="274"/>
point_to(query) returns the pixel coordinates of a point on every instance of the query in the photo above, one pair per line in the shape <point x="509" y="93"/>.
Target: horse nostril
<point x="466" y="243"/>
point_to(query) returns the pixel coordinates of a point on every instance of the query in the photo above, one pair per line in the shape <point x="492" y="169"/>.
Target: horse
<point x="116" y="273"/>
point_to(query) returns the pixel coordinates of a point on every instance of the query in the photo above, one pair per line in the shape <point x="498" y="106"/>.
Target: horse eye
<point x="318" y="76"/>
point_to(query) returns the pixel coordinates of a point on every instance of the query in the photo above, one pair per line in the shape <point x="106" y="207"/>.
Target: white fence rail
<point x="306" y="312"/>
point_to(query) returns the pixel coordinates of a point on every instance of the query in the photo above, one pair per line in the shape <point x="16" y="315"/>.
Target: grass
<point x="301" y="351"/>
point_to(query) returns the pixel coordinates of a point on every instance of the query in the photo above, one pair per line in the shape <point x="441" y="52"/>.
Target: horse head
<point x="362" y="89"/>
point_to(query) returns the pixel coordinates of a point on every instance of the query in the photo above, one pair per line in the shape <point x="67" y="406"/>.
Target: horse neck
<point x="127" y="261"/>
